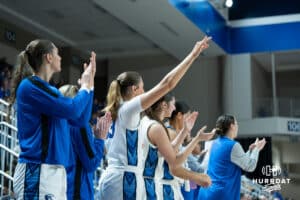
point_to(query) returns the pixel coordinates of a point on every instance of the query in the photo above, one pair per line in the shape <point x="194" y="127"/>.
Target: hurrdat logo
<point x="273" y="180"/>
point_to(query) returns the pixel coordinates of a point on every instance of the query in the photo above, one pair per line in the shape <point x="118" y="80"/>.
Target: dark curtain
<point x="265" y="157"/>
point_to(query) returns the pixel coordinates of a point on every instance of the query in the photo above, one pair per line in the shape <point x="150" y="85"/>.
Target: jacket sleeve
<point x="246" y="161"/>
<point x="88" y="149"/>
<point x="86" y="114"/>
<point x="48" y="101"/>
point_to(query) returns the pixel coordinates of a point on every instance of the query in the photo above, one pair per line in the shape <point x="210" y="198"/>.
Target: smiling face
<point x="170" y="107"/>
<point x="167" y="108"/>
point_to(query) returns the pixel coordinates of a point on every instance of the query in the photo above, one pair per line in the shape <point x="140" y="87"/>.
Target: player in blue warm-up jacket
<point x="42" y="115"/>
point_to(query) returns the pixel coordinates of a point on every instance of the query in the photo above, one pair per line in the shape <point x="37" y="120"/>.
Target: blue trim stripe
<point x="132" y="145"/>
<point x="150" y="188"/>
<point x="234" y="40"/>
<point x="32" y="181"/>
<point x="151" y="162"/>
<point x="149" y="172"/>
<point x="168" y="192"/>
<point x="167" y="174"/>
<point x="129" y="186"/>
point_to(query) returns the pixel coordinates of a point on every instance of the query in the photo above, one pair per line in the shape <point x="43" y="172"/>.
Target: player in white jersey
<point x="126" y="100"/>
<point x="160" y="153"/>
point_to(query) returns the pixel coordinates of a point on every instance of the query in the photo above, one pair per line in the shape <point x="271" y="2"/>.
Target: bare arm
<point x="159" y="138"/>
<point x="174" y="76"/>
<point x="200" y="179"/>
<point x="178" y="140"/>
<point x="189" y="123"/>
<point x="172" y="134"/>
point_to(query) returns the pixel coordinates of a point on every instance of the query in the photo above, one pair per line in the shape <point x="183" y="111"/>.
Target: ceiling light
<point x="228" y="3"/>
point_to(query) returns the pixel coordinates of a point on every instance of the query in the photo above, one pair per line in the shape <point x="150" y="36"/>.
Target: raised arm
<point x="50" y="102"/>
<point x="159" y="138"/>
<point x="247" y="161"/>
<point x="174" y="76"/>
<point x="86" y="114"/>
<point x="201" y="136"/>
<point x="189" y="122"/>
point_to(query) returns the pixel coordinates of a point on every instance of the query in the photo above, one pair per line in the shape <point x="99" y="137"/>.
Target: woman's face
<point x="235" y="129"/>
<point x="139" y="89"/>
<point x="169" y="107"/>
<point x="55" y="61"/>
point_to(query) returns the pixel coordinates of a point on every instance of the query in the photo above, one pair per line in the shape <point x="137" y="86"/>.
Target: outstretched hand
<point x="103" y="125"/>
<point x="259" y="144"/>
<point x="204" y="180"/>
<point x="253" y="145"/>
<point x="200" y="46"/>
<point x="202" y="136"/>
<point x="87" y="77"/>
<point x="189" y="121"/>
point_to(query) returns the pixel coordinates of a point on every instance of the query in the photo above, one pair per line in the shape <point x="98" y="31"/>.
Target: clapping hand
<point x="202" y="136"/>
<point x="189" y="121"/>
<point x="259" y="144"/>
<point x="103" y="125"/>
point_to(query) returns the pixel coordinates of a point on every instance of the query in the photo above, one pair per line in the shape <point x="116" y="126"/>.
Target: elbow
<point x="174" y="169"/>
<point x="251" y="168"/>
<point x="171" y="84"/>
<point x="168" y="83"/>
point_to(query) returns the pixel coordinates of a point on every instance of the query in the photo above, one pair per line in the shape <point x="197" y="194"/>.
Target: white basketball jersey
<point x="159" y="183"/>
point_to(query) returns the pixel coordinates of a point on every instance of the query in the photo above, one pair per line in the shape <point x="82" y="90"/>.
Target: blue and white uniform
<point x="159" y="183"/>
<point x="227" y="158"/>
<point x="44" y="137"/>
<point x="120" y="180"/>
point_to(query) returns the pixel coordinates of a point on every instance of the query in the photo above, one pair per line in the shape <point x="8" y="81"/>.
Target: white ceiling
<point x="161" y="23"/>
<point x="112" y="28"/>
<point x="118" y="28"/>
<point x="81" y="24"/>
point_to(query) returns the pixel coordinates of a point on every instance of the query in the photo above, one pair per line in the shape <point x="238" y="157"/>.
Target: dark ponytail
<point x="28" y="61"/>
<point x="181" y="107"/>
<point x="22" y="70"/>
<point x="154" y="111"/>
<point x="223" y="124"/>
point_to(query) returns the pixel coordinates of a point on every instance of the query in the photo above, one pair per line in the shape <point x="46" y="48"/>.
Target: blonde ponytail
<point x="113" y="99"/>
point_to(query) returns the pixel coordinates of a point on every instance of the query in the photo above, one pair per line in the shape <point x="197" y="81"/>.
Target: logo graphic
<point x="49" y="197"/>
<point x="273" y="179"/>
<point x="269" y="170"/>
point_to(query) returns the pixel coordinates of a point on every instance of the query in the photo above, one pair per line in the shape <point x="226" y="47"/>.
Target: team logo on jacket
<point x="49" y="197"/>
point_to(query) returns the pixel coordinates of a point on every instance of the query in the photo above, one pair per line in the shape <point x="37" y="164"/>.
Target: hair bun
<point x="219" y="131"/>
